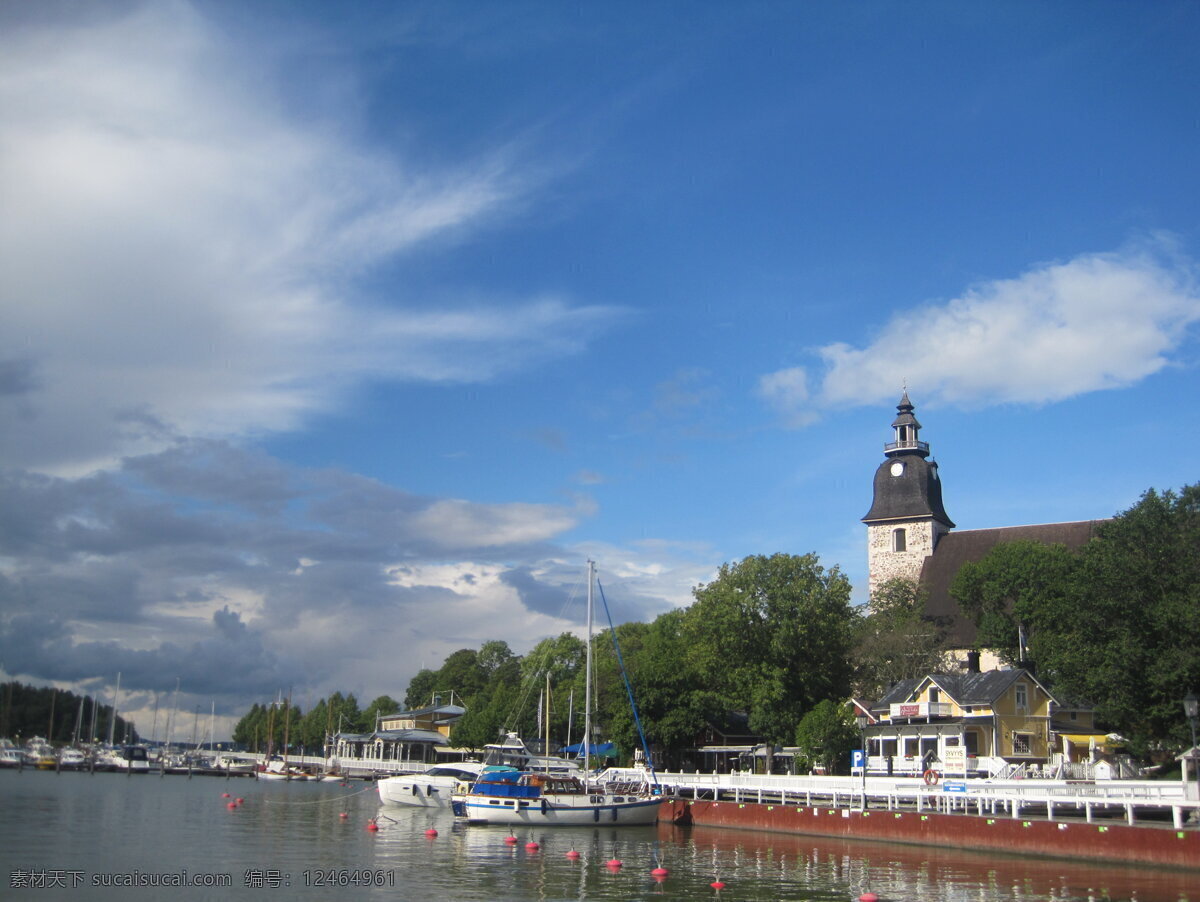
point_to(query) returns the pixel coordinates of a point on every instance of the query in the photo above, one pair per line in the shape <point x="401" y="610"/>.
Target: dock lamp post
<point x="862" y="732"/>
<point x="1191" y="709"/>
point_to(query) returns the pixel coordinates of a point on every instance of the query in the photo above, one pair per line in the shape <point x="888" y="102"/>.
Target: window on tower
<point x="899" y="540"/>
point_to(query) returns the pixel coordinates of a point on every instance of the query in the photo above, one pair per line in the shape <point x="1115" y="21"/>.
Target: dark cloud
<point x="541" y="597"/>
<point x="17" y="377"/>
<point x="237" y="576"/>
<point x="230" y="660"/>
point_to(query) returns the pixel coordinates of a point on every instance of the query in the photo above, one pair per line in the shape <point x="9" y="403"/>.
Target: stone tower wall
<point x="883" y="564"/>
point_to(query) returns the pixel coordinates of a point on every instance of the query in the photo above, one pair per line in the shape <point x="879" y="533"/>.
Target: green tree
<point x="463" y="673"/>
<point x="895" y="640"/>
<point x="1008" y="592"/>
<point x="1117" y="625"/>
<point x="673" y="701"/>
<point x="384" y="704"/>
<point x="315" y="726"/>
<point x="421" y="689"/>
<point x="827" y="735"/>
<point x="773" y="636"/>
<point x="1129" y="639"/>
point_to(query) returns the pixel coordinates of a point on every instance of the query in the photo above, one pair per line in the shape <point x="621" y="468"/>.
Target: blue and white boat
<point x="546" y="798"/>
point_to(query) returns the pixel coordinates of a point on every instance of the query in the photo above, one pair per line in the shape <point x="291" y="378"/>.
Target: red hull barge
<point x="1152" y="845"/>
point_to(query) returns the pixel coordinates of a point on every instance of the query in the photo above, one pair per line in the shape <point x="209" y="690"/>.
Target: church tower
<point x="906" y="519"/>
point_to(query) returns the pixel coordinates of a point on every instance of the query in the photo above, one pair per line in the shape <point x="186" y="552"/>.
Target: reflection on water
<point x="290" y="841"/>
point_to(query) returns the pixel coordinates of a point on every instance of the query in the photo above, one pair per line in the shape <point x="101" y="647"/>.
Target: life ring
<point x="931" y="777"/>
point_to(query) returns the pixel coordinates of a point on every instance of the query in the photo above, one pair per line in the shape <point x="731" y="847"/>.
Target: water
<point x="288" y="841"/>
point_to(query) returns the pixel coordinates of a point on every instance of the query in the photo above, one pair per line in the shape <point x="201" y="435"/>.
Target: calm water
<point x="288" y="841"/>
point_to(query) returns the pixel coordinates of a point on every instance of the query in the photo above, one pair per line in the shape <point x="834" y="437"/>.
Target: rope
<point x="628" y="689"/>
<point x="348" y="795"/>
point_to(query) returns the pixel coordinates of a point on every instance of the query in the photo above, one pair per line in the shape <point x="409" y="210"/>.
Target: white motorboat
<point x="431" y="789"/>
<point x="11" y="755"/>
<point x="72" y="759"/>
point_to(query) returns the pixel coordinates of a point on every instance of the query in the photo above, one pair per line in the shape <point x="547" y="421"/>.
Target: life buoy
<point x="931" y="777"/>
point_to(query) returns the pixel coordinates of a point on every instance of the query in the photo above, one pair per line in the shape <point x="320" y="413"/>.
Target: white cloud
<point x="454" y="523"/>
<point x="180" y="246"/>
<point x="1099" y="321"/>
<point x="787" y="391"/>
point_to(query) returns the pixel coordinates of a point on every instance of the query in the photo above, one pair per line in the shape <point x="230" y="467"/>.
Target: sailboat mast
<point x="546" y="744"/>
<point x="112" y="721"/>
<point x="587" y="678"/>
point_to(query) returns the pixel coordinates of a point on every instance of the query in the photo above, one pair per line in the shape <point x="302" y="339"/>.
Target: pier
<point x="1134" y="801"/>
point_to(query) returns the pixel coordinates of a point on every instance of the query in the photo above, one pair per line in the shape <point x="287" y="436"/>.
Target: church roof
<point x="916" y="493"/>
<point x="969" y="546"/>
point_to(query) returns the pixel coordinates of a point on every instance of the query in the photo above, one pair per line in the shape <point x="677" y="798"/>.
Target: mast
<point x="173" y="715"/>
<point x="78" y="723"/>
<point x="112" y="721"/>
<point x="587" y="679"/>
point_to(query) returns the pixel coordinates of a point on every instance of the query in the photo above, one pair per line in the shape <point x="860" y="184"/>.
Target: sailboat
<point x="543" y="799"/>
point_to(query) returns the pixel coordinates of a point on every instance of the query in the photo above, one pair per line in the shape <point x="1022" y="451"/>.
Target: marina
<point x="291" y="840"/>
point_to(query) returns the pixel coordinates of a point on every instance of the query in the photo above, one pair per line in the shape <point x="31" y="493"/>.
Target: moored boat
<point x="431" y="789"/>
<point x="527" y="798"/>
<point x="72" y="759"/>
<point x="538" y="797"/>
<point x="10" y="755"/>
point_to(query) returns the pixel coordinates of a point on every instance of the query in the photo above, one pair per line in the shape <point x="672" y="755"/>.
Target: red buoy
<point x="372" y="826"/>
<point x="511" y="840"/>
<point x="231" y="805"/>
<point x="224" y="795"/>
<point x="344" y="814"/>
<point x="431" y="832"/>
<point x="531" y="846"/>
<point x="572" y="854"/>
<point x="613" y="863"/>
<point x="659" y="872"/>
<point x="717" y="884"/>
<point x="868" y="897"/>
<point x="241" y="801"/>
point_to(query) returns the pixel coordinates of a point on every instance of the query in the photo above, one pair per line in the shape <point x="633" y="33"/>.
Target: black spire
<point x="907" y="486"/>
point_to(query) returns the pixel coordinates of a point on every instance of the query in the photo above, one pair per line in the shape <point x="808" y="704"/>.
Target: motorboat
<point x="72" y="759"/>
<point x="431" y="789"/>
<point x="11" y="755"/>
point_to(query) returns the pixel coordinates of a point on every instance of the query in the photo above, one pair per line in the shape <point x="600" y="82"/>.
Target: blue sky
<point x="337" y="337"/>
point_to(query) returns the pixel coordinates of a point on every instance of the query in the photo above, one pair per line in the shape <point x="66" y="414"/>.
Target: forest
<point x="57" y="715"/>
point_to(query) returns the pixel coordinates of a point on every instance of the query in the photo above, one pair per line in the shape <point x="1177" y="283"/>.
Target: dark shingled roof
<point x="915" y="493"/>
<point x="957" y="548"/>
<point x="967" y="689"/>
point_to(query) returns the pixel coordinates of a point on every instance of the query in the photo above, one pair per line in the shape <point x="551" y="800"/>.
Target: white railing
<point x="1054" y="798"/>
<point x="920" y="709"/>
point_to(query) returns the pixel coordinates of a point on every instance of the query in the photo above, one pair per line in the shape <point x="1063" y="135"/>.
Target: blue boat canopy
<point x="603" y="750"/>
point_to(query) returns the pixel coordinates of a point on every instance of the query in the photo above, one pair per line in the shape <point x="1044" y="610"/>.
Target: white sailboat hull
<point x="559" y="811"/>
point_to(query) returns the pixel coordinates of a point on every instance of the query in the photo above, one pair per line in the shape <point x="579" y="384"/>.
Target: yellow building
<point x="965" y="724"/>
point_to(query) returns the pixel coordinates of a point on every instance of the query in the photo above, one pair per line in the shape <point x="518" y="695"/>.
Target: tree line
<point x="280" y="725"/>
<point x="55" y="714"/>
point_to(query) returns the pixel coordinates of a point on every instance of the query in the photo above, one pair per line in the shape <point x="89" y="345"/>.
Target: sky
<point x="337" y="337"/>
